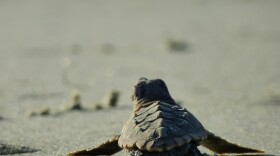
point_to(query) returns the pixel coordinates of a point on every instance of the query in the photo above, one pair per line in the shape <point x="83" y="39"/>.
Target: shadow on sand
<point x="6" y="149"/>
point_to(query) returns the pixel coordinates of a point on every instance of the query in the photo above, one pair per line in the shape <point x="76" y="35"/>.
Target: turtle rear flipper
<point x="220" y="146"/>
<point x="109" y="147"/>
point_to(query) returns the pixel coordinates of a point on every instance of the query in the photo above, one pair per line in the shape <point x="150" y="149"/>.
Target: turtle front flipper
<point x="107" y="148"/>
<point x="220" y="146"/>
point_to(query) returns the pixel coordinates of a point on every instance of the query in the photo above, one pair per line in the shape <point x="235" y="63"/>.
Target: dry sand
<point x="226" y="69"/>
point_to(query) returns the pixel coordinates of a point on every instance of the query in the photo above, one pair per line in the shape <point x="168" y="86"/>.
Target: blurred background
<point x="220" y="59"/>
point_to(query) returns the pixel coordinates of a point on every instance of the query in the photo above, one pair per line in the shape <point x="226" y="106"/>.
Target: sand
<point x="220" y="59"/>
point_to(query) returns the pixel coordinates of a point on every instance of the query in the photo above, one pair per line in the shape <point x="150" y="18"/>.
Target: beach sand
<point x="220" y="59"/>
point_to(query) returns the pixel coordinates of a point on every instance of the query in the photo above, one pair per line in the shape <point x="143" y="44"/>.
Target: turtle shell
<point x="161" y="127"/>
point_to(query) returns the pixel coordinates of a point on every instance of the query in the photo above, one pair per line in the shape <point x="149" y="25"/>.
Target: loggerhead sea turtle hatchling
<point x="160" y="127"/>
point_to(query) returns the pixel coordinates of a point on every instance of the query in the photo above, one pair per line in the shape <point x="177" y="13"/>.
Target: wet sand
<point x="220" y="59"/>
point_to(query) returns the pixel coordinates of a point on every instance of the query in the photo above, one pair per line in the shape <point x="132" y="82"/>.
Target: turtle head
<point x="147" y="90"/>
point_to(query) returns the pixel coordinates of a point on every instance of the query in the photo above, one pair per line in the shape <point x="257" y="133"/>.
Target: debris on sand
<point x="6" y="149"/>
<point x="175" y="45"/>
<point x="42" y="112"/>
<point x="98" y="106"/>
<point x="75" y="103"/>
<point x="111" y="99"/>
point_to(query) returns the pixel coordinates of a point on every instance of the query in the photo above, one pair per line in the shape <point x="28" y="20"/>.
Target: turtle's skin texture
<point x="160" y="127"/>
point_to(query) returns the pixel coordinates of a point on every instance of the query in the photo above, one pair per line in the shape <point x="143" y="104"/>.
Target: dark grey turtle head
<point x="151" y="90"/>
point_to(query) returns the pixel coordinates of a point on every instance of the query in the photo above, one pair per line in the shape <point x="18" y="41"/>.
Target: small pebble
<point x="98" y="106"/>
<point x="176" y="45"/>
<point x="43" y="112"/>
<point x="75" y="103"/>
<point x="111" y="99"/>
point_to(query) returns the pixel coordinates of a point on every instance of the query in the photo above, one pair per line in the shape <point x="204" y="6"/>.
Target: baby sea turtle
<point x="160" y="127"/>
